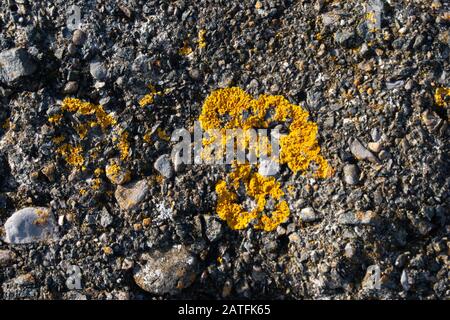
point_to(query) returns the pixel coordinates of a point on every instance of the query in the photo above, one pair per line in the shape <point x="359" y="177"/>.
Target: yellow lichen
<point x="201" y="39"/>
<point x="162" y="134"/>
<point x="74" y="105"/>
<point x="6" y="124"/>
<point x="96" y="183"/>
<point x="441" y="97"/>
<point x="58" y="139"/>
<point x="42" y="218"/>
<point x="107" y="250"/>
<point x="113" y="169"/>
<point x="232" y="108"/>
<point x="55" y="119"/>
<point x="72" y="154"/>
<point x="123" y="145"/>
<point x="149" y="97"/>
<point x="259" y="189"/>
<point x="185" y="49"/>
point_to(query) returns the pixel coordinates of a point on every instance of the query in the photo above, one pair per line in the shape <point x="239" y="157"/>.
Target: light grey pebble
<point x="361" y="153"/>
<point x="98" y="71"/>
<point x="130" y="195"/>
<point x="167" y="272"/>
<point x="308" y="215"/>
<point x="351" y="174"/>
<point x="164" y="166"/>
<point x="268" y="167"/>
<point x="32" y="224"/>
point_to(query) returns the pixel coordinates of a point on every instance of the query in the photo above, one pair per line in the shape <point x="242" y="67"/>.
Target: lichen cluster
<point x="233" y="108"/>
<point x="77" y="151"/>
<point x="259" y="189"/>
<point x="442" y="97"/>
<point x="149" y="97"/>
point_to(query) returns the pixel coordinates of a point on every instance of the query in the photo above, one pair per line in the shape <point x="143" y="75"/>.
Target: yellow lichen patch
<point x="72" y="154"/>
<point x="201" y="39"/>
<point x="82" y="130"/>
<point x="107" y="250"/>
<point x="113" y="169"/>
<point x="6" y="124"/>
<point x="149" y="97"/>
<point x="98" y="172"/>
<point x="73" y="105"/>
<point x="185" y="49"/>
<point x="96" y="183"/>
<point x="146" y="100"/>
<point x="442" y="97"/>
<point x="233" y="108"/>
<point x="162" y="134"/>
<point x="42" y="218"/>
<point x="298" y="149"/>
<point x="58" y="139"/>
<point x="55" y="119"/>
<point x="147" y="137"/>
<point x="259" y="189"/>
<point x="123" y="145"/>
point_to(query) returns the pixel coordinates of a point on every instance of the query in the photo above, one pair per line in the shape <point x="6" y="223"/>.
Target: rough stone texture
<point x="132" y="194"/>
<point x="15" y="64"/>
<point x="164" y="166"/>
<point x="31" y="224"/>
<point x="168" y="272"/>
<point x="365" y="70"/>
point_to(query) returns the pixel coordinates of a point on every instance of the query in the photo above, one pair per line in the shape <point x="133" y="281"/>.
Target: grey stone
<point x="98" y="71"/>
<point x="6" y="257"/>
<point x="213" y="228"/>
<point x="361" y="153"/>
<point x="371" y="280"/>
<point x="15" y="64"/>
<point x="78" y="37"/>
<point x="164" y="166"/>
<point x="345" y="38"/>
<point x="130" y="195"/>
<point x="32" y="224"/>
<point x="404" y="281"/>
<point x="358" y="218"/>
<point x="351" y="174"/>
<point x="106" y="219"/>
<point x="308" y="215"/>
<point x="167" y="272"/>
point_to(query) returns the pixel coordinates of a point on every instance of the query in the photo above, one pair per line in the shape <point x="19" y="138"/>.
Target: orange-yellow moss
<point x="233" y="108"/>
<point x="441" y="97"/>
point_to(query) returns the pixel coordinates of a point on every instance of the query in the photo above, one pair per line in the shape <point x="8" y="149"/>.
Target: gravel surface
<point x="92" y="207"/>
